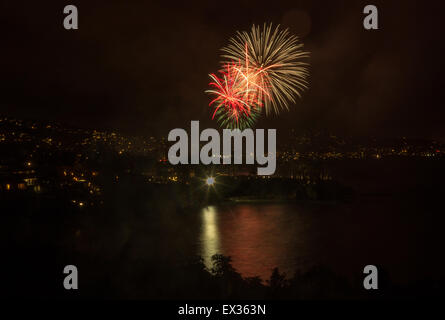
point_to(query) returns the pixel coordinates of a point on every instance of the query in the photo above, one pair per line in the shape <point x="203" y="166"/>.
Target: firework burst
<point x="273" y="60"/>
<point x="237" y="104"/>
<point x="263" y="70"/>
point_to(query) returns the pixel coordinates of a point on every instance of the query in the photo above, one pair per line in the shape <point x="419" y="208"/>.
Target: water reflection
<point x="209" y="240"/>
<point x="257" y="237"/>
<point x="342" y="237"/>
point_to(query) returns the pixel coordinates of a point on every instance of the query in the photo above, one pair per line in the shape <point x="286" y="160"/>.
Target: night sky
<point x="142" y="68"/>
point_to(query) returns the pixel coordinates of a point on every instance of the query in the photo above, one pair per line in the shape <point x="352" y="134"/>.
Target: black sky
<point x="141" y="67"/>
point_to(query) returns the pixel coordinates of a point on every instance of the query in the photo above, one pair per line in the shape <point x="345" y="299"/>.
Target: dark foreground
<point x="137" y="245"/>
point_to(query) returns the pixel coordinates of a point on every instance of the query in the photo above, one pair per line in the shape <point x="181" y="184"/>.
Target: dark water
<point x="402" y="239"/>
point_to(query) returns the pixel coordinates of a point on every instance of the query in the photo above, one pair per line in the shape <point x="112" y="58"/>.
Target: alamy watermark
<point x="71" y="280"/>
<point x="210" y="153"/>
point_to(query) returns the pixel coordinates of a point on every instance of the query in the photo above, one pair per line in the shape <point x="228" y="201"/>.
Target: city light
<point x="210" y="181"/>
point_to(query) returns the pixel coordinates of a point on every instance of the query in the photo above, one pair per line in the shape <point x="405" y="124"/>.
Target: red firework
<point x="235" y="100"/>
<point x="241" y="91"/>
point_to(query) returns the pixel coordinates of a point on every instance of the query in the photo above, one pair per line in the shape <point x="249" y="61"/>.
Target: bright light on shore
<point x="210" y="181"/>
